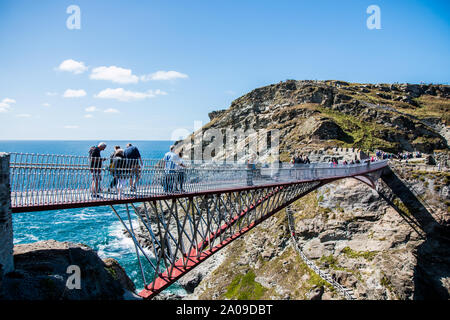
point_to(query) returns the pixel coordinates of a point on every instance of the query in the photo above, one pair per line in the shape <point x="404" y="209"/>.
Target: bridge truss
<point x="185" y="231"/>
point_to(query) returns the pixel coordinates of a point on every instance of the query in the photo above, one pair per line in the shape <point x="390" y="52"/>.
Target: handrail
<point x="347" y="293"/>
<point x="42" y="180"/>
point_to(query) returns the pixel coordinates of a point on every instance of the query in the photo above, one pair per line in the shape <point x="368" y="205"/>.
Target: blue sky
<point x="216" y="51"/>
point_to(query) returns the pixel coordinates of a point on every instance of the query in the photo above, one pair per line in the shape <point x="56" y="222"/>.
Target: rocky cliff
<point x="350" y="232"/>
<point x="315" y="114"/>
<point x="378" y="244"/>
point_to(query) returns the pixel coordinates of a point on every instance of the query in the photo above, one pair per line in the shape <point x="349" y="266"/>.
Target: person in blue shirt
<point x="134" y="164"/>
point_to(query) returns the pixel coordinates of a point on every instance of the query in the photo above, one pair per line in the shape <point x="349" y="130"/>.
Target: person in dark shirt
<point x="134" y="163"/>
<point x="251" y="166"/>
<point x="96" y="162"/>
<point x="113" y="161"/>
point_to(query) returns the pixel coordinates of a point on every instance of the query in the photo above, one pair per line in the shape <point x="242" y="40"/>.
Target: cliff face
<point x="314" y="114"/>
<point x="378" y="249"/>
<point x="349" y="232"/>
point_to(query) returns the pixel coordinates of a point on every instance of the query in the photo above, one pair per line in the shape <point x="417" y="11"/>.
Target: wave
<point x="119" y="243"/>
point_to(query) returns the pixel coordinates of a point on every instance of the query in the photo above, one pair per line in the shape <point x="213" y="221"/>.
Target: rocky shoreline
<point x="45" y="270"/>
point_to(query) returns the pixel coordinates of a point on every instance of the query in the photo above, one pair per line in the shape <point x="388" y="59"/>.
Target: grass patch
<point x="244" y="287"/>
<point x="365" y="135"/>
<point x="368" y="255"/>
<point x="431" y="106"/>
<point x="112" y="272"/>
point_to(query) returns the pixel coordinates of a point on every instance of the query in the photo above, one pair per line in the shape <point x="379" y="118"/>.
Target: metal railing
<point x="346" y="292"/>
<point x="41" y="180"/>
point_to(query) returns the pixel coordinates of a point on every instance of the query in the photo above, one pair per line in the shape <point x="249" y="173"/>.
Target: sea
<point x="97" y="227"/>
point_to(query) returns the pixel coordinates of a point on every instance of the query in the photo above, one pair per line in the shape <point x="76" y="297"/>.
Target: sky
<point x="150" y="70"/>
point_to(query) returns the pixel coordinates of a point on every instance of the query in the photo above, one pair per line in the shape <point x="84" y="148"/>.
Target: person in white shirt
<point x="171" y="160"/>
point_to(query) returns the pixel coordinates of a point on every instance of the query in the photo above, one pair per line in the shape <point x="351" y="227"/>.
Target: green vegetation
<point x="244" y="287"/>
<point x="364" y="135"/>
<point x="112" y="272"/>
<point x="399" y="204"/>
<point x="308" y="206"/>
<point x="431" y="106"/>
<point x="332" y="263"/>
<point x="316" y="281"/>
<point x="368" y="255"/>
<point x="385" y="282"/>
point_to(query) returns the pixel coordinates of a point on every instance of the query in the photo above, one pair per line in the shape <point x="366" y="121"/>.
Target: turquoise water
<point x="97" y="227"/>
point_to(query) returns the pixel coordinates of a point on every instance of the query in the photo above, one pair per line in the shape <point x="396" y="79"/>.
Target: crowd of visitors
<point x="299" y="159"/>
<point x="126" y="165"/>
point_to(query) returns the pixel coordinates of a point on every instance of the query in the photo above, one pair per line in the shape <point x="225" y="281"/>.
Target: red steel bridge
<point x="185" y="215"/>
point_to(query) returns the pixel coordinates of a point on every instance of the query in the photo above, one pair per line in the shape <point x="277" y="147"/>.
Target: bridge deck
<point x="46" y="183"/>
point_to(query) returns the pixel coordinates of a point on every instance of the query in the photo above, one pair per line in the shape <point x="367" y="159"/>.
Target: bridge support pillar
<point x="6" y="229"/>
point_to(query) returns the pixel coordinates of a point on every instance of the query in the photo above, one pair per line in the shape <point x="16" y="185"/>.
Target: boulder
<point x="42" y="273"/>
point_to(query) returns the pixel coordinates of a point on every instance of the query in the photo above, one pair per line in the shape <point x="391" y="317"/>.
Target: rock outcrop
<point x="42" y="272"/>
<point x="316" y="114"/>
<point x="351" y="233"/>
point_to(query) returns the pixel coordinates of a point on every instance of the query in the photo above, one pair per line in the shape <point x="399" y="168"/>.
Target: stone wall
<point x="6" y="230"/>
<point x="325" y="154"/>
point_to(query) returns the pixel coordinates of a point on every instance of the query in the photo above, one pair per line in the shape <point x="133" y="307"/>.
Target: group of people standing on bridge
<point x="126" y="164"/>
<point x="299" y="159"/>
<point x="174" y="168"/>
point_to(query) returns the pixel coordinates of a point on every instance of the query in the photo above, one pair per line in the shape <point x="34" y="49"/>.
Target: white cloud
<point x="70" y="93"/>
<point x="46" y="104"/>
<point x="71" y="127"/>
<point x="69" y="65"/>
<point x="88" y="115"/>
<point x="164" y="75"/>
<point x="8" y="101"/>
<point x="91" y="109"/>
<point x="23" y="115"/>
<point x="5" y="104"/>
<point x="111" y="110"/>
<point x="126" y="95"/>
<point x="114" y="74"/>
